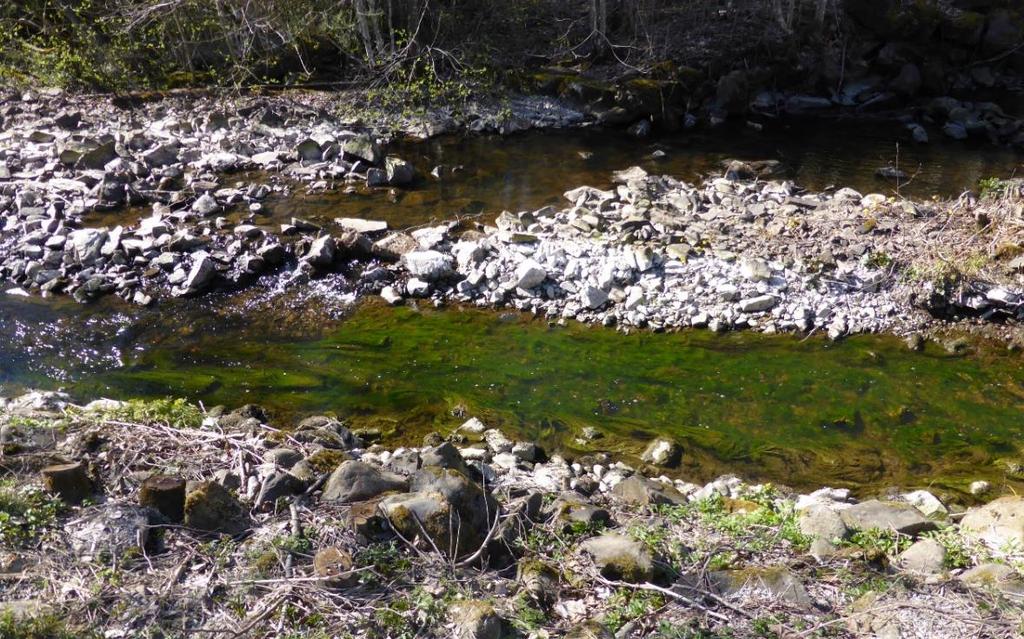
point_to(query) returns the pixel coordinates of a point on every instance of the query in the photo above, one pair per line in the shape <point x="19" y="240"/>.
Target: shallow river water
<point x="528" y="171"/>
<point x="865" y="412"/>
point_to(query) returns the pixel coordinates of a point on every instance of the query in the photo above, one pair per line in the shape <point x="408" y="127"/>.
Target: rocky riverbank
<point x="161" y="519"/>
<point x="741" y="250"/>
<point x="63" y="159"/>
<point x="734" y="252"/>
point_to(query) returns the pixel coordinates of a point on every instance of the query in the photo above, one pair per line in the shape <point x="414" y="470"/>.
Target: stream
<point x="865" y="413"/>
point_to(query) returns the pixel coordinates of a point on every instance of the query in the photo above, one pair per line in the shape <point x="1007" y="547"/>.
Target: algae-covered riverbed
<point x="864" y="412"/>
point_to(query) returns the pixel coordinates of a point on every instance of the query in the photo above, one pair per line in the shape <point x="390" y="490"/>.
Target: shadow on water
<point x="864" y="412"/>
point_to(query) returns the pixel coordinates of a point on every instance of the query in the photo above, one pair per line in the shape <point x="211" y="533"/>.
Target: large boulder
<point x="886" y="515"/>
<point x="529" y="274"/>
<point x="444" y="456"/>
<point x="998" y="577"/>
<point x="571" y="508"/>
<point x="98" y="157"/>
<point x="394" y="246"/>
<point x="85" y="245"/>
<point x="363" y="147"/>
<point x="398" y="172"/>
<point x="620" y="558"/>
<point x="325" y="431"/>
<point x="1004" y="32"/>
<point x="454" y="512"/>
<point x="999" y="524"/>
<point x="773" y="582"/>
<point x="733" y="92"/>
<point x="358" y="481"/>
<point x="321" y="252"/>
<point x="200" y="276"/>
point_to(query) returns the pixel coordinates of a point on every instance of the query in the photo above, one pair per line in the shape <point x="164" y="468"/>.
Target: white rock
<point x="755" y="269"/>
<point x="926" y="502"/>
<point x="497" y="441"/>
<point x="474" y="426"/>
<point x="391" y="295"/>
<point x="475" y="454"/>
<point x="427" y="265"/>
<point x="360" y="225"/>
<point x="417" y="287"/>
<point x="530" y="274"/>
<point x="758" y="304"/>
<point x="593" y="297"/>
<point x="552" y="477"/>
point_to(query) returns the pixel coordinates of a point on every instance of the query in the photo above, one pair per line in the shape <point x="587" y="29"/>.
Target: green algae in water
<point x="864" y="412"/>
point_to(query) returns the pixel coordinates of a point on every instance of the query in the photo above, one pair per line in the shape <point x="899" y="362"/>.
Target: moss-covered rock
<point x="589" y="630"/>
<point x="475" y="619"/>
<point x="620" y="558"/>
<point x="455" y="513"/>
<point x="326" y="460"/>
<point x="210" y="507"/>
<point x="334" y="566"/>
<point x="358" y="481"/>
<point x="538" y="580"/>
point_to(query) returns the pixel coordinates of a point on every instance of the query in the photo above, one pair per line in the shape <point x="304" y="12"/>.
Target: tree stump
<point x="69" y="481"/>
<point x="165" y="494"/>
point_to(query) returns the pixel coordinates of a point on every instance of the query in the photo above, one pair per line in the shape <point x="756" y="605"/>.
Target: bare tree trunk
<point x="822" y="11"/>
<point x="599" y="24"/>
<point x="363" y="26"/>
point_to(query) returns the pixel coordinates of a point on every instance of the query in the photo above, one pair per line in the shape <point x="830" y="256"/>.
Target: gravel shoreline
<point x="195" y="521"/>
<point x="740" y="251"/>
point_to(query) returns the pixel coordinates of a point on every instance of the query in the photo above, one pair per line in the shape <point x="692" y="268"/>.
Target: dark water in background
<point x="531" y="170"/>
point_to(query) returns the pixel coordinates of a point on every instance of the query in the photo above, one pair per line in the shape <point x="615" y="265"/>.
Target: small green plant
<point x="878" y="260"/>
<point x="293" y="544"/>
<point x="763" y="626"/>
<point x="880" y="542"/>
<point x="749" y="528"/>
<point x="957" y="553"/>
<point x="528" y="617"/>
<point x="176" y="413"/>
<point x="412" y="614"/>
<point x="44" y="626"/>
<point x="659" y="542"/>
<point x="387" y="560"/>
<point x="671" y="630"/>
<point x="627" y="605"/>
<point x="857" y="588"/>
<point x="991" y="187"/>
<point x="25" y="512"/>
